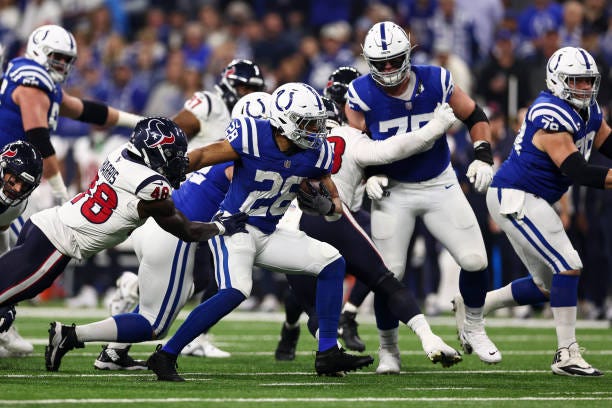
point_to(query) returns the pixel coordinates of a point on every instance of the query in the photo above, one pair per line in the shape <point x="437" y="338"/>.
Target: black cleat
<point x="336" y="361"/>
<point x="118" y="359"/>
<point x="62" y="339"/>
<point x="164" y="365"/>
<point x="285" y="351"/>
<point x="347" y="330"/>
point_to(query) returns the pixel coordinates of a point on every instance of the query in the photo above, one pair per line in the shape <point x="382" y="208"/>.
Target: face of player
<point x="13" y="187"/>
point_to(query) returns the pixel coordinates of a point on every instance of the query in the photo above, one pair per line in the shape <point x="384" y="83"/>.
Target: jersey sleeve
<point x="552" y="118"/>
<point x="33" y="76"/>
<point x="354" y="98"/>
<point x="154" y="187"/>
<point x="448" y="85"/>
<point x="200" y="105"/>
<point x="242" y="134"/>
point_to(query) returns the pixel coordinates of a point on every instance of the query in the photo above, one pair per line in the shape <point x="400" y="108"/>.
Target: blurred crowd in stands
<point x="149" y="56"/>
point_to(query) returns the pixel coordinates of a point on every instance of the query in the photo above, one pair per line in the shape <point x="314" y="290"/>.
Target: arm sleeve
<point x="375" y="152"/>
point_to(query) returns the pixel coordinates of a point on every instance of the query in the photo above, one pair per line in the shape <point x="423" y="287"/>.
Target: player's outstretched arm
<point x="174" y="221"/>
<point x="218" y="152"/>
<point x="96" y="113"/>
<point x="374" y="152"/>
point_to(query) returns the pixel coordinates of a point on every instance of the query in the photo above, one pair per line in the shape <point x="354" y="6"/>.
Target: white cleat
<point x="202" y="346"/>
<point x="389" y="361"/>
<point x="14" y="344"/>
<point x="568" y="361"/>
<point x="473" y="337"/>
<point x="439" y="352"/>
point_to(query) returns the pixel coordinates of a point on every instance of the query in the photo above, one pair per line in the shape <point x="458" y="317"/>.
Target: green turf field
<point x="251" y="377"/>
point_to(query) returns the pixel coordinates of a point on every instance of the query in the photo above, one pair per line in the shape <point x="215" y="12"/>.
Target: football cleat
<point x="202" y="346"/>
<point x="568" y="361"/>
<point x="389" y="361"/>
<point x="118" y="359"/>
<point x="163" y="364"/>
<point x="473" y="337"/>
<point x="335" y="362"/>
<point x="62" y="339"/>
<point x="347" y="330"/>
<point x="285" y="350"/>
<point x="440" y="352"/>
<point x="14" y="344"/>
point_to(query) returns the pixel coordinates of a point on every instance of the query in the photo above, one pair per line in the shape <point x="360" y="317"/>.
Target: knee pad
<point x="473" y="262"/>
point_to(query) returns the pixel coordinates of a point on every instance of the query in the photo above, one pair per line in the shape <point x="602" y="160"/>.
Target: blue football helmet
<point x="162" y="146"/>
<point x="21" y="165"/>
<point x="239" y="78"/>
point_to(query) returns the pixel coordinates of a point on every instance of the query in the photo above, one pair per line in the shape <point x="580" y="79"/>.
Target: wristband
<point x="482" y="152"/>
<point x="127" y="119"/>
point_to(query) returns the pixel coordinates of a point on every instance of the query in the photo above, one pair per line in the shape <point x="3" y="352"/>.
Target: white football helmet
<point x="386" y="42"/>
<point x="54" y="48"/>
<point x="255" y="105"/>
<point x="565" y="68"/>
<point x="297" y="110"/>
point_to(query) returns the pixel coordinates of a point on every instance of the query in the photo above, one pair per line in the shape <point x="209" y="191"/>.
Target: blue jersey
<point x="265" y="179"/>
<point x="25" y="72"/>
<point x="532" y="170"/>
<point x="200" y="195"/>
<point x="387" y="116"/>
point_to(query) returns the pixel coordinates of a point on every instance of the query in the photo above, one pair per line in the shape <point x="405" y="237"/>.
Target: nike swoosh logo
<point x="61" y="344"/>
<point x="158" y="183"/>
<point x="492" y="353"/>
<point x="449" y="186"/>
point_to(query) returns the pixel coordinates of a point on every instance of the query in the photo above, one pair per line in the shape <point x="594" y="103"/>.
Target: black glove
<point x="315" y="202"/>
<point x="7" y="317"/>
<point x="231" y="224"/>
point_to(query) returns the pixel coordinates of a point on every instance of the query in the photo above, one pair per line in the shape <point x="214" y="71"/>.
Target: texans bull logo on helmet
<point x="156" y="136"/>
<point x="9" y="153"/>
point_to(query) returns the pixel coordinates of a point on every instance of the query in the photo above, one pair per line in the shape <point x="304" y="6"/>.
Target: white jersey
<point x="9" y="214"/>
<point x="107" y="213"/>
<point x="213" y="115"/>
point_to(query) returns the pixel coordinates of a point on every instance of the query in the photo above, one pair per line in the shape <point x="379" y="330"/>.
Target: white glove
<point x="480" y="175"/>
<point x="375" y="186"/>
<point x="443" y="117"/>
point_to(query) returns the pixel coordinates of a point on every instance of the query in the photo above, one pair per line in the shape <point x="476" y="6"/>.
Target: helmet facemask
<point x="309" y="131"/>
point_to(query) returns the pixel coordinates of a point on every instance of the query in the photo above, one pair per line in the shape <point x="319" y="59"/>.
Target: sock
<point x="103" y="330"/>
<point x="349" y="308"/>
<point x="474" y="315"/>
<point x="385" y="319"/>
<point x="388" y="338"/>
<point x="293" y="309"/>
<point x="526" y="292"/>
<point x="473" y="287"/>
<point x="418" y="324"/>
<point x="563" y="301"/>
<point x="329" y="302"/>
<point x="203" y="317"/>
<point x="292" y="325"/>
<point x="498" y="298"/>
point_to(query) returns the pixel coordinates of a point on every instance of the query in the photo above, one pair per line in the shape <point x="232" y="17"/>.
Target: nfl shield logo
<point x="408" y="105"/>
<point x="287" y="164"/>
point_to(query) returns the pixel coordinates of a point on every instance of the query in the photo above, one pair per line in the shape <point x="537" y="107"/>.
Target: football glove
<point x="315" y="202"/>
<point x="7" y="317"/>
<point x="480" y="171"/>
<point x="231" y="224"/>
<point x="375" y="187"/>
